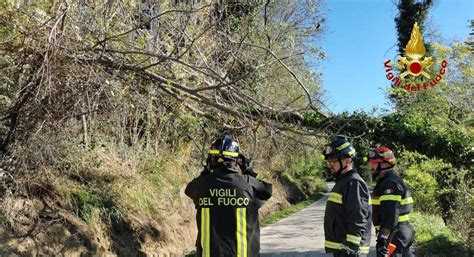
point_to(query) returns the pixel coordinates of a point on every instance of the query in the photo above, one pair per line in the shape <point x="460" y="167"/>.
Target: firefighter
<point x="347" y="220"/>
<point x="227" y="203"/>
<point x="392" y="205"/>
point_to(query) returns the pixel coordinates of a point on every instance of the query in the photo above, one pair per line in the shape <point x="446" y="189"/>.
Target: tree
<point x="166" y="51"/>
<point x="409" y="12"/>
<point x="82" y="82"/>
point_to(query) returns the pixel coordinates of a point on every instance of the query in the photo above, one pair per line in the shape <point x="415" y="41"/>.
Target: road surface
<point x="300" y="234"/>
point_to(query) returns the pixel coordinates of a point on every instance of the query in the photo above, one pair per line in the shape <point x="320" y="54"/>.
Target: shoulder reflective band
<point x="364" y="249"/>
<point x="403" y="218"/>
<point x="205" y="232"/>
<point x="241" y="232"/>
<point x="407" y="200"/>
<point x="225" y="153"/>
<point x="335" y="197"/>
<point x="353" y="239"/>
<point x="343" y="146"/>
<point x="377" y="227"/>
<point x="332" y="245"/>
<point x="397" y="198"/>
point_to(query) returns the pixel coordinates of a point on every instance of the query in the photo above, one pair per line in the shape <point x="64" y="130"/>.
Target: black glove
<point x="382" y="246"/>
<point x="244" y="164"/>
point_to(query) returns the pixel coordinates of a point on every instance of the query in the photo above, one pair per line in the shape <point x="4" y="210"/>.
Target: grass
<point x="85" y="204"/>
<point x="190" y="254"/>
<point x="274" y="217"/>
<point x="90" y="205"/>
<point x="434" y="238"/>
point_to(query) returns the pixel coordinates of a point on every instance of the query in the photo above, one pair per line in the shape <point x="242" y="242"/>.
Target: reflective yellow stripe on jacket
<point x="332" y="245"/>
<point x="205" y="232"/>
<point x="338" y="246"/>
<point x="364" y="249"/>
<point x="375" y="201"/>
<point x="407" y="200"/>
<point x="403" y="218"/>
<point x="335" y="197"/>
<point x="353" y="239"/>
<point x="241" y="232"/>
<point x="398" y="198"/>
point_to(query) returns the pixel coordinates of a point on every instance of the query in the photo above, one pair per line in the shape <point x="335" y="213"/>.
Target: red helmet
<point x="382" y="154"/>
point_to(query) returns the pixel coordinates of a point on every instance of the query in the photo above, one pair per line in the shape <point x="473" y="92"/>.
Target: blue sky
<point x="360" y="35"/>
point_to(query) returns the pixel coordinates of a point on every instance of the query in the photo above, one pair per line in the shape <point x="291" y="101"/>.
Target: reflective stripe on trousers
<point x="241" y="232"/>
<point x="205" y="232"/>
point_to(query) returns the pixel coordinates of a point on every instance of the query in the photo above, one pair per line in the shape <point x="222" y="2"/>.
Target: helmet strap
<point x="338" y="173"/>
<point x="380" y="169"/>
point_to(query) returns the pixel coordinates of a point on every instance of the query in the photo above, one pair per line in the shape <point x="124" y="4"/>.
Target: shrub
<point x="439" y="188"/>
<point x="307" y="173"/>
<point x="434" y="238"/>
<point x="423" y="187"/>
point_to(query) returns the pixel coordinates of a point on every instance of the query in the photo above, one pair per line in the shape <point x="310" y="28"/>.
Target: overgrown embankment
<point x="107" y="110"/>
<point x="126" y="201"/>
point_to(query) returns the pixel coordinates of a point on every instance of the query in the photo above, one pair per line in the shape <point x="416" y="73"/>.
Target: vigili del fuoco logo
<point x="415" y="64"/>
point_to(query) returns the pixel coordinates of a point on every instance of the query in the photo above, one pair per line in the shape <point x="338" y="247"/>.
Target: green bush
<point x="307" y="173"/>
<point x="458" y="204"/>
<point x="434" y="238"/>
<point x="406" y="159"/>
<point x="423" y="187"/>
<point x="439" y="188"/>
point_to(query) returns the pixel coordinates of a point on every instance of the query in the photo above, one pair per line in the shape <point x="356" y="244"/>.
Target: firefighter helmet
<point x="223" y="150"/>
<point x="381" y="154"/>
<point x="339" y="148"/>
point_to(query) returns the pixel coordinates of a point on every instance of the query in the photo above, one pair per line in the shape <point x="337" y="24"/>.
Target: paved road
<point x="299" y="235"/>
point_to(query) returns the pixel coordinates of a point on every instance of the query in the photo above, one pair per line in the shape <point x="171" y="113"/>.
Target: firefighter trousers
<point x="404" y="241"/>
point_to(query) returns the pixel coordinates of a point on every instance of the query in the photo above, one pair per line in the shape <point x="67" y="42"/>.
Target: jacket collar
<point x="387" y="174"/>
<point x="349" y="173"/>
<point x="223" y="170"/>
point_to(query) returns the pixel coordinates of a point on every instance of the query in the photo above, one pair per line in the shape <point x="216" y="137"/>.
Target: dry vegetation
<point x="107" y="109"/>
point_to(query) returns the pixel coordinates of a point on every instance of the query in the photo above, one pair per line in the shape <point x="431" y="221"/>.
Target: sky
<point x="360" y="35"/>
